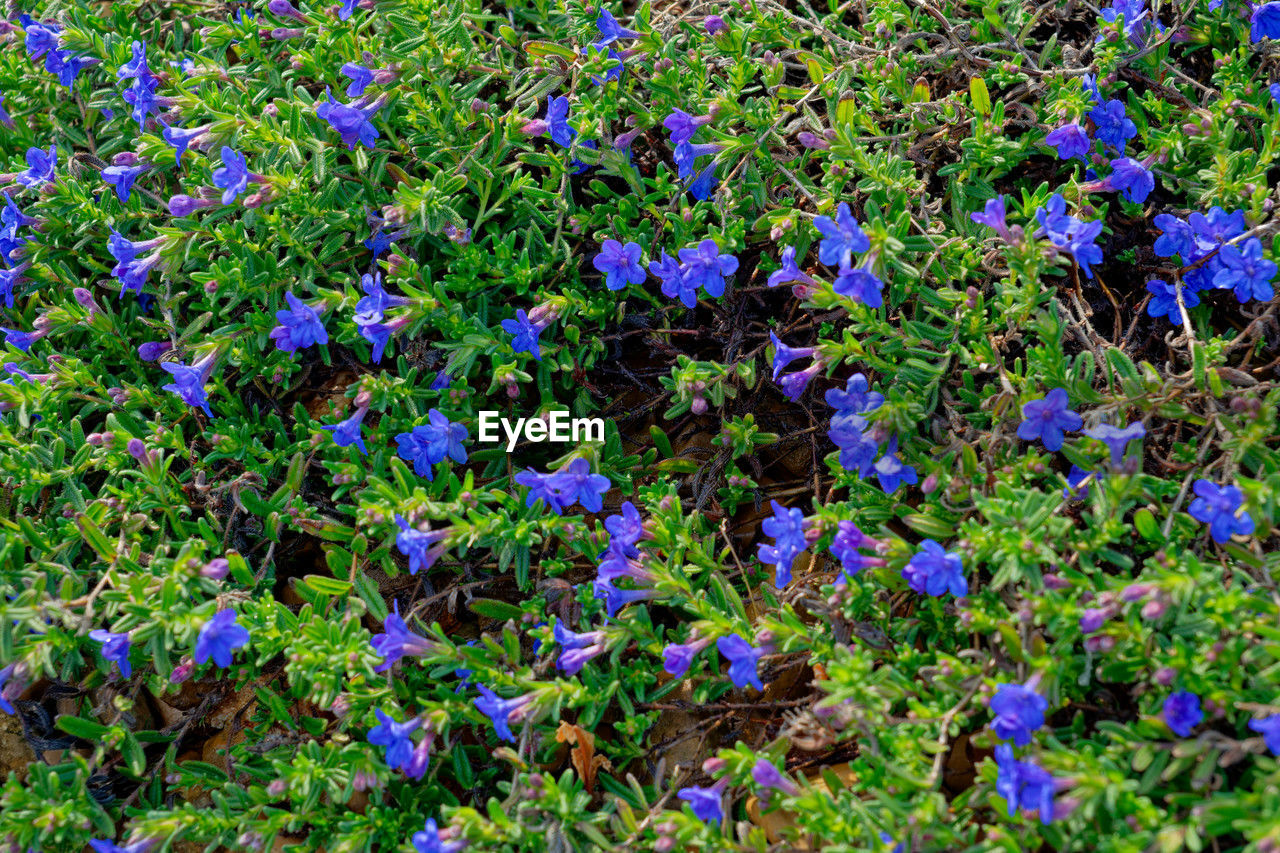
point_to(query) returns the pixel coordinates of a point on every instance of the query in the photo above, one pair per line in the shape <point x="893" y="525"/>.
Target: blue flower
<point x="620" y="264"/>
<point x="1075" y="477"/>
<point x="371" y="308"/>
<point x="681" y="125"/>
<point x="232" y="176"/>
<point x="615" y="598"/>
<point x="703" y="184"/>
<point x="419" y="546"/>
<point x="347" y="432"/>
<point x="705" y="802"/>
<point x="5" y="674"/>
<point x="1217" y="506"/>
<point x="842" y="238"/>
<point x="541" y="487"/>
<point x="219" y="637"/>
<point x="359" y="76"/>
<point x="1131" y="179"/>
<point x="1018" y="711"/>
<point x="575" y="483"/>
<point x="576" y="649"/>
<point x="300" y="326"/>
<point x="40" y="167"/>
<point x="743" y="660"/>
<point x="787" y="527"/>
<point x="130" y="269"/>
<point x="499" y="710"/>
<point x="394" y="737"/>
<point x="993" y="216"/>
<point x="1024" y="784"/>
<point x="1215" y="228"/>
<point x="860" y="285"/>
<point x="783" y="355"/>
<point x="397" y="640"/>
<point x="625" y="529"/>
<point x="352" y="123"/>
<point x="115" y="647"/>
<point x="1070" y="140"/>
<point x="935" y="571"/>
<point x="430" y="443"/>
<point x="40" y="37"/>
<point x="427" y="839"/>
<point x="557" y="122"/>
<point x="1182" y="713"/>
<point x="1113" y="126"/>
<point x="1263" y="23"/>
<point x="1246" y="271"/>
<point x="892" y="471"/>
<point x="181" y="139"/>
<point x="677" y="657"/>
<point x="793" y="384"/>
<point x="705" y="267"/>
<point x="347" y="9"/>
<point x="524" y="334"/>
<point x="188" y="383"/>
<point x="686" y="156"/>
<point x="122" y="178"/>
<point x="1117" y="438"/>
<point x="789" y="272"/>
<point x="1164" y="300"/>
<point x="5" y="118"/>
<point x="611" y="30"/>
<point x="1269" y="728"/>
<point x="856" y="400"/>
<point x="1048" y="418"/>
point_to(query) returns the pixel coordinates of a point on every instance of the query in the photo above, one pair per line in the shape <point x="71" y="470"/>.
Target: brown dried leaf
<point x="583" y="755"/>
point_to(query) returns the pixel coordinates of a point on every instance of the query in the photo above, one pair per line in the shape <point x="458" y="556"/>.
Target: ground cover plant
<point x="936" y="350"/>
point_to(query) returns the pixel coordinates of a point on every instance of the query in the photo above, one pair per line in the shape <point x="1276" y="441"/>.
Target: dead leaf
<point x="583" y="755"/>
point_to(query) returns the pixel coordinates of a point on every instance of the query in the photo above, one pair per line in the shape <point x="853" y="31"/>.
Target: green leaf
<point x="980" y="96"/>
<point x="494" y="609"/>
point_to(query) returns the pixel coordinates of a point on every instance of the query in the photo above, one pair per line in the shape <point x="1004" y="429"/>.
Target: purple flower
<point x="142" y="846"/>
<point x="686" y="156"/>
<point x="347" y="432"/>
<point x="8" y="690"/>
<point x="427" y="840"/>
<point x="768" y="776"/>
<point x="1113" y="127"/>
<point x="1131" y="179"/>
<point x="714" y="24"/>
<point x="347" y="9"/>
<point x="793" y="384"/>
<point x="397" y="640"/>
<point x="5" y="118"/>
<point x="376" y="301"/>
<point x="1116" y="438"/>
<point x="556" y="124"/>
<point x="1246" y="271"/>
<point x="789" y="272"/>
<point x="860" y="285"/>
<point x="1269" y="728"/>
<point x="352" y="123"/>
<point x="1024" y="784"/>
<point x="524" y="334"/>
<point x="115" y="647"/>
<point x="576" y="649"/>
<point x="359" y="76"/>
<point x="232" y="176"/>
<point x="681" y="125"/>
<point x="935" y="571"/>
<point x="1164" y="300"/>
<point x="40" y="167"/>
<point x="1019" y="711"/>
<point x="784" y="355"/>
<point x="219" y="637"/>
<point x="1048" y="418"/>
<point x="394" y="737"/>
<point x="615" y="598"/>
<point x="842" y="238"/>
<point x="1263" y="23"/>
<point x="1218" y="507"/>
<point x="705" y="267"/>
<point x="620" y="264"/>
<point x="844" y="547"/>
<point x="1070" y="140"/>
<point x="300" y="326"/>
<point x="993" y="216"/>
<point x="40" y="37"/>
<point x="575" y="483"/>
<point x="677" y="658"/>
<point x="1093" y="618"/>
<point x="743" y="659"/>
<point x="130" y="269"/>
<point x="787" y="527"/>
<point x="181" y="139"/>
<point x="189" y="381"/>
<point x="499" y="710"/>
<point x="122" y="178"/>
<point x="705" y="802"/>
<point x="626" y="529"/>
<point x="1182" y="713"/>
<point x="420" y="546"/>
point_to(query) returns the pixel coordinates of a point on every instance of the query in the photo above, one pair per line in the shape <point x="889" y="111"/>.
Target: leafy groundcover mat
<point x="524" y="425"/>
